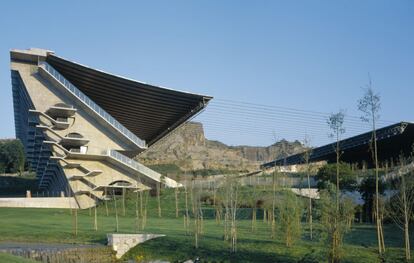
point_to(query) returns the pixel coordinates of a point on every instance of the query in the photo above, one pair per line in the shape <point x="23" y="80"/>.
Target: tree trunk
<point x="106" y="203"/>
<point x="159" y="199"/>
<point x="176" y="202"/>
<point x="123" y="201"/>
<point x="116" y="212"/>
<point x="310" y="209"/>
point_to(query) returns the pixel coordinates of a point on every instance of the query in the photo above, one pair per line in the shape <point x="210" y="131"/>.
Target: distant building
<point x="81" y="127"/>
<point x="392" y="141"/>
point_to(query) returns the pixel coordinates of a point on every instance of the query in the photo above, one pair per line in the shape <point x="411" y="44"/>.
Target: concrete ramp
<point x="121" y="243"/>
<point x="39" y="202"/>
<point x="305" y="192"/>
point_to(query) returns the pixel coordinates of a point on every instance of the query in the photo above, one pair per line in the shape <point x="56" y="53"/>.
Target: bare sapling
<point x="253" y="201"/>
<point x="106" y="202"/>
<point x="176" y="193"/>
<point x="137" y="211"/>
<point x="144" y="205"/>
<point x="123" y="201"/>
<point x="198" y="216"/>
<point x="290" y="213"/>
<point x="186" y="216"/>
<point x="306" y="157"/>
<point x="116" y="211"/>
<point x="158" y="188"/>
<point x="400" y="206"/>
<point x="336" y="124"/>
<point x="370" y="106"/>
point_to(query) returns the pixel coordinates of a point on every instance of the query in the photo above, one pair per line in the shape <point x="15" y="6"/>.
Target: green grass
<point x="7" y="258"/>
<point x="56" y="225"/>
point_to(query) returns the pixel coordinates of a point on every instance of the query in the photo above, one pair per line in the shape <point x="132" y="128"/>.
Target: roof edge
<point x="208" y="97"/>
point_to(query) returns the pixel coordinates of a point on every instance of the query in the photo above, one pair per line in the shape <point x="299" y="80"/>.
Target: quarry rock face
<point x="188" y="148"/>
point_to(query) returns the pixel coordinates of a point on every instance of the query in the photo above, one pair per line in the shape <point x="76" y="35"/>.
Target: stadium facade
<point x="82" y="127"/>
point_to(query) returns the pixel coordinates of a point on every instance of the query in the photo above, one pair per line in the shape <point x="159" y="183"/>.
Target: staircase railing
<point x="92" y="105"/>
<point x="143" y="169"/>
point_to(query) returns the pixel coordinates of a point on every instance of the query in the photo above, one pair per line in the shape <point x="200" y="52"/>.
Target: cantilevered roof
<point x="392" y="141"/>
<point x="150" y="112"/>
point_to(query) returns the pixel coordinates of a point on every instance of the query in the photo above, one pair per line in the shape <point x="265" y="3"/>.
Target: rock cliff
<point x="188" y="148"/>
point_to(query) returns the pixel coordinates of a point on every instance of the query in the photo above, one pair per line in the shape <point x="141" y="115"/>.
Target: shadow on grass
<point x="181" y="249"/>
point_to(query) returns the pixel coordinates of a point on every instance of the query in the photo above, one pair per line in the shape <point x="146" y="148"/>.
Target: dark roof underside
<point x="148" y="111"/>
<point x="392" y="141"/>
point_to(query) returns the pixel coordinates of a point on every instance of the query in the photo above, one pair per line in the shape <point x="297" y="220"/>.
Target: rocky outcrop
<point x="188" y="148"/>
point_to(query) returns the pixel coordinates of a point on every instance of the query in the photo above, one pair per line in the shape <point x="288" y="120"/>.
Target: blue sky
<point x="310" y="55"/>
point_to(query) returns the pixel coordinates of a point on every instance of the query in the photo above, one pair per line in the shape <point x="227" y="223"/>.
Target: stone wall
<point x="121" y="243"/>
<point x="61" y="253"/>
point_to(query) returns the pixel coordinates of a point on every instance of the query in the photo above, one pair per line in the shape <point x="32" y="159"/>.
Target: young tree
<point x="198" y="215"/>
<point x="401" y="204"/>
<point x="253" y="200"/>
<point x="230" y="198"/>
<point x="187" y="215"/>
<point x="231" y="201"/>
<point x="116" y="211"/>
<point x="143" y="208"/>
<point x="216" y="203"/>
<point x="334" y="222"/>
<point x="272" y="217"/>
<point x="158" y="186"/>
<point x="290" y="213"/>
<point x="274" y="195"/>
<point x="336" y="124"/>
<point x="306" y="157"/>
<point x="137" y="210"/>
<point x="234" y="195"/>
<point x="176" y="193"/>
<point x="106" y="202"/>
<point x="123" y="201"/>
<point x="370" y="106"/>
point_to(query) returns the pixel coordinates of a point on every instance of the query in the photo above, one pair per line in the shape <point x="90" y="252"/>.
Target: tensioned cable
<point x="278" y="115"/>
<point x="274" y="122"/>
<point x="243" y="119"/>
<point x="227" y="102"/>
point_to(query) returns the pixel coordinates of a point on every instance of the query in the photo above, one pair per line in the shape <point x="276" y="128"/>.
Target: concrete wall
<point x="39" y="202"/>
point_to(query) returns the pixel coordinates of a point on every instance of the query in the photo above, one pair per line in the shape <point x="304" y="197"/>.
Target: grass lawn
<point x="56" y="225"/>
<point x="7" y="258"/>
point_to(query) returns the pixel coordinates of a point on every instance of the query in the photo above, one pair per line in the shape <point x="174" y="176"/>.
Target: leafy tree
<point x="12" y="157"/>
<point x="347" y="177"/>
<point x="368" y="191"/>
